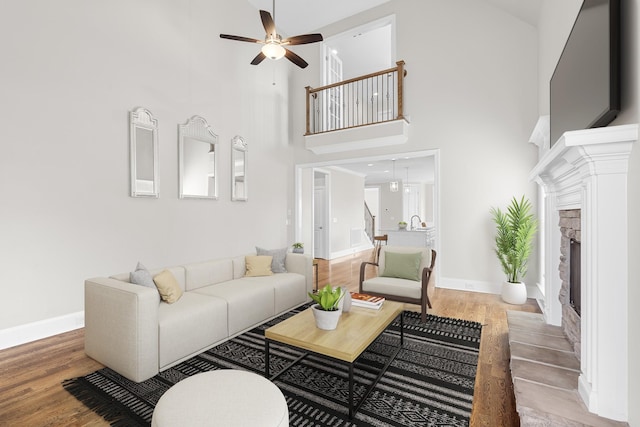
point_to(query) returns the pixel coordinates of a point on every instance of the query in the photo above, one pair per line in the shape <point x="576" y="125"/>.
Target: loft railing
<point x="373" y="98"/>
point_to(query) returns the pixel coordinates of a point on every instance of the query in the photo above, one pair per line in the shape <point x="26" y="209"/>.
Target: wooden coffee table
<point x="356" y="330"/>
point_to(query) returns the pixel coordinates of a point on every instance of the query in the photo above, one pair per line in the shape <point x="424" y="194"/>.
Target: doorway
<point x="312" y="174"/>
<point x="359" y="51"/>
<point x="372" y="199"/>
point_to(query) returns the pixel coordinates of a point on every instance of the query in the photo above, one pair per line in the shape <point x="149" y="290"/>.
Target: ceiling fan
<point x="274" y="45"/>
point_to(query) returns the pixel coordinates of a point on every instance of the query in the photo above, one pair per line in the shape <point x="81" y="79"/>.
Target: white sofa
<point x="130" y="330"/>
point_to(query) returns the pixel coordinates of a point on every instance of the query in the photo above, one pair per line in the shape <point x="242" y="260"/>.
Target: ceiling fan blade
<point x="295" y="58"/>
<point x="267" y="22"/>
<point x="258" y="59"/>
<point x="303" y="39"/>
<point x="240" y="38"/>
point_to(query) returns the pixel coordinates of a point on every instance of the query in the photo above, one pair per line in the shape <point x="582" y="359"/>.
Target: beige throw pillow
<point x="258" y="265"/>
<point x="168" y="286"/>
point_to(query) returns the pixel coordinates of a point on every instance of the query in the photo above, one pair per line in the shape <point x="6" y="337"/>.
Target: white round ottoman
<point x="225" y="397"/>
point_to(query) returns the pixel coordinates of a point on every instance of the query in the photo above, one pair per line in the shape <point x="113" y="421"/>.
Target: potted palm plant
<point x="326" y="309"/>
<point x="515" y="230"/>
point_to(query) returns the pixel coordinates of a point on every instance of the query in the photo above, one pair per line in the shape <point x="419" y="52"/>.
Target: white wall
<point x="471" y="91"/>
<point x="71" y="71"/>
<point x="347" y="210"/>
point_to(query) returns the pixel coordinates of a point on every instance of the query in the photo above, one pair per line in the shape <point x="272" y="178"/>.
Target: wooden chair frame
<point x="423" y="301"/>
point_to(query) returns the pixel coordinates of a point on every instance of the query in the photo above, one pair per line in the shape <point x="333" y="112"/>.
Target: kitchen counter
<point x="421" y="237"/>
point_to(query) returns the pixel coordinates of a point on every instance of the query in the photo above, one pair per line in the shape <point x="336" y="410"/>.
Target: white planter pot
<point x="345" y="302"/>
<point x="514" y="293"/>
<point x="327" y="320"/>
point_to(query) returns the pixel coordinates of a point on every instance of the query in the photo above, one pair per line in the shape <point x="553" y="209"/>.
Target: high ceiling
<point x="295" y="17"/>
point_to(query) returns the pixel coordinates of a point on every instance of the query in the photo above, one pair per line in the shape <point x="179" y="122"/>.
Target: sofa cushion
<point x="141" y="276"/>
<point x="279" y="255"/>
<point x="394" y="286"/>
<point x="168" y="286"/>
<point x="250" y="302"/>
<point x="402" y="265"/>
<point x="258" y="265"/>
<point x="290" y="289"/>
<point x="208" y="273"/>
<point x="178" y="273"/>
<point x="193" y="323"/>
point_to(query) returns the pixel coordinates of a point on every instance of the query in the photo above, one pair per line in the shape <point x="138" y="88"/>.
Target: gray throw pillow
<point x="277" y="264"/>
<point x="142" y="277"/>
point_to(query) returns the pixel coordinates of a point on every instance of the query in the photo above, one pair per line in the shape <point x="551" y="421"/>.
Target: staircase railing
<point x="369" y="222"/>
<point x="369" y="99"/>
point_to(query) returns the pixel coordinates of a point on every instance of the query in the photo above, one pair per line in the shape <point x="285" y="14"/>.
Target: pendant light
<point x="393" y="185"/>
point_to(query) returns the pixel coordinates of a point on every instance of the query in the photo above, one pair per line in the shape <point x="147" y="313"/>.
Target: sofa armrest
<point x="121" y="326"/>
<point x="301" y="264"/>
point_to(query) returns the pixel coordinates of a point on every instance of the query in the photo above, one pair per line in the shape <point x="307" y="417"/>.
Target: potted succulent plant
<point x="298" y="248"/>
<point x="402" y="225"/>
<point x="515" y="230"/>
<point x="326" y="309"/>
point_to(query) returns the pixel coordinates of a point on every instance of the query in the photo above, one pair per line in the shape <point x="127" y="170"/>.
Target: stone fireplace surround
<point x="569" y="229"/>
<point x="587" y="170"/>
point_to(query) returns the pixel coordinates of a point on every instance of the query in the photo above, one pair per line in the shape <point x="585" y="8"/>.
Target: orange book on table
<point x="365" y="300"/>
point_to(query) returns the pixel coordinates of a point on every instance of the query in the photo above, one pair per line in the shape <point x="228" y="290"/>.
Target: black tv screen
<point x="585" y="86"/>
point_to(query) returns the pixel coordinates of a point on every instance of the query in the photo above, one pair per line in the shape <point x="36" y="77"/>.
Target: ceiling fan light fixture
<point x="273" y="51"/>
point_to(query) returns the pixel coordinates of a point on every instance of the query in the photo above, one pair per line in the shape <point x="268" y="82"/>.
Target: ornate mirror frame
<point x="143" y="153"/>
<point x="198" y="160"/>
<point x="239" y="168"/>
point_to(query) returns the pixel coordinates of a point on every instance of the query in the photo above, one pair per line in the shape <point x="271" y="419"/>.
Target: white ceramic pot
<point x="514" y="293"/>
<point x="326" y="320"/>
<point x="345" y="301"/>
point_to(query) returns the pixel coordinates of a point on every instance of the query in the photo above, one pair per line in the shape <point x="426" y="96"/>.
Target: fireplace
<point x="583" y="181"/>
<point x="569" y="273"/>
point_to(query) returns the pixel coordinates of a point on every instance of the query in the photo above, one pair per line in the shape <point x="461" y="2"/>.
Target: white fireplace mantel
<point x="587" y="170"/>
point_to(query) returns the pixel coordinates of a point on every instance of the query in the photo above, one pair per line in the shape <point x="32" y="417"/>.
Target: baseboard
<point x="482" y="287"/>
<point x="469" y="285"/>
<point x="351" y="251"/>
<point x="23" y="334"/>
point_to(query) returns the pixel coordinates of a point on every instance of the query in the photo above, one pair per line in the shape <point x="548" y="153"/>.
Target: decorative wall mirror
<point x="197" y="145"/>
<point x="143" y="146"/>
<point x="238" y="169"/>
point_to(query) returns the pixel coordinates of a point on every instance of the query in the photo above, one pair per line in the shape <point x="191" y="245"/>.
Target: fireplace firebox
<point x="574" y="275"/>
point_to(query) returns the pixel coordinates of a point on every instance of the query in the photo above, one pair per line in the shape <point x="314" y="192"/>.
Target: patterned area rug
<point x="430" y="383"/>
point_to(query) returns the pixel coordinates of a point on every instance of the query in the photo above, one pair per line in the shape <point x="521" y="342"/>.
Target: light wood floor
<point x="31" y="375"/>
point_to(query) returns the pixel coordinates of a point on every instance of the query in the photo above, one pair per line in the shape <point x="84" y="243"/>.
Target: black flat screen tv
<point x="585" y="86"/>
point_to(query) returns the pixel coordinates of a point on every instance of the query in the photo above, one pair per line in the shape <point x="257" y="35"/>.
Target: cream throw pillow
<point x="168" y="286"/>
<point x="258" y="265"/>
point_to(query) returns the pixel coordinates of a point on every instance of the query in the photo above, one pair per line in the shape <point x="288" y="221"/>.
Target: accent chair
<point x="404" y="274"/>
